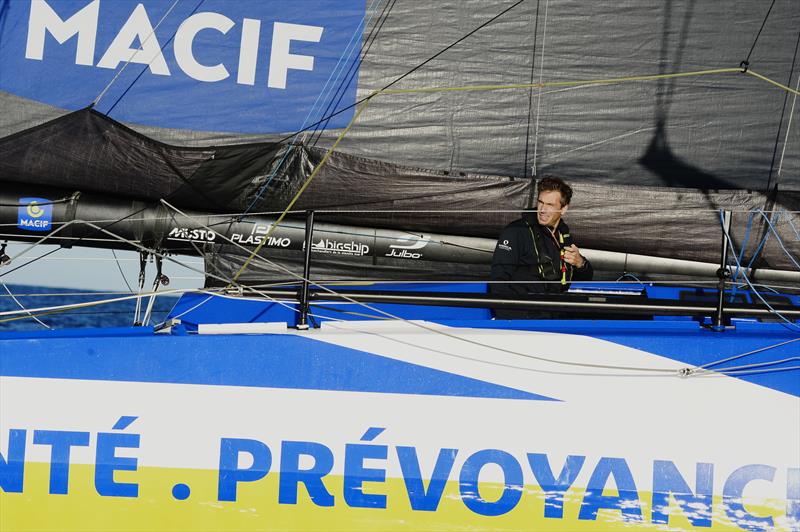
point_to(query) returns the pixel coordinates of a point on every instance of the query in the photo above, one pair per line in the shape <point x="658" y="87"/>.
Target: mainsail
<point x="442" y="116"/>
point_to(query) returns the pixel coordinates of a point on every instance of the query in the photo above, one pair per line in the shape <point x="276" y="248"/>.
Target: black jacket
<point x="527" y="251"/>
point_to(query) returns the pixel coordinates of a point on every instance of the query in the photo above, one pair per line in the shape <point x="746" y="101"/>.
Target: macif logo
<point x="227" y="56"/>
<point x="35" y="214"/>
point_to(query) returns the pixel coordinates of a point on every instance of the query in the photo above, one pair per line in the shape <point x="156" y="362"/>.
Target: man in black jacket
<point x="538" y="248"/>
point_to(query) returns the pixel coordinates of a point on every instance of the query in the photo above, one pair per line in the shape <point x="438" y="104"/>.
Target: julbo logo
<point x="227" y="58"/>
<point x="402" y="250"/>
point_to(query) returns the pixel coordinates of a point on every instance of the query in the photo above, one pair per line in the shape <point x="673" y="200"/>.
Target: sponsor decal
<point x="256" y="240"/>
<point x="405" y="248"/>
<point x="227" y="58"/>
<point x="203" y="236"/>
<point x="504" y="245"/>
<point x="340" y="248"/>
<point x="679" y="492"/>
<point x="35" y="214"/>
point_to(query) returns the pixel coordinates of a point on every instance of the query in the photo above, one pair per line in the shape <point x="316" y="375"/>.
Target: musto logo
<point x="35" y="214"/>
<point x="226" y="58"/>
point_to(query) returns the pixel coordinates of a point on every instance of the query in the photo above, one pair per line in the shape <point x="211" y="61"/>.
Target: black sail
<point x="653" y="156"/>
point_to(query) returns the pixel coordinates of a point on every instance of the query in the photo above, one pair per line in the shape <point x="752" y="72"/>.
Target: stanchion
<point x="302" y="321"/>
<point x="723" y="274"/>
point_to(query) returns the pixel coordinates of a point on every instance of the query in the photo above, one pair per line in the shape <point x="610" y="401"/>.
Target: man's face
<point x="549" y="208"/>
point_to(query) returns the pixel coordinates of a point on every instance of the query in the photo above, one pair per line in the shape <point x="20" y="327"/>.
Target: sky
<point x="83" y="268"/>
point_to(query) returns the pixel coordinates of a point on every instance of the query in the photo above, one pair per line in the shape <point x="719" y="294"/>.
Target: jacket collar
<point x="530" y="217"/>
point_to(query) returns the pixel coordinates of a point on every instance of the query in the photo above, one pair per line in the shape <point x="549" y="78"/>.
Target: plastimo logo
<point x="35" y="214"/>
<point x="251" y="67"/>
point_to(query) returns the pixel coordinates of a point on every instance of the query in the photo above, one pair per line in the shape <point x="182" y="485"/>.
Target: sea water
<point x="117" y="314"/>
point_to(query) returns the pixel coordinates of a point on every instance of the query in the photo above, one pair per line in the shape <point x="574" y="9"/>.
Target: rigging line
<point x="158" y="253"/>
<point x="119" y="72"/>
<point x="135" y="296"/>
<point x="53" y="233"/>
<point x="29" y="262"/>
<point x="276" y="168"/>
<point x="660" y="373"/>
<point x="786" y="322"/>
<point x="576" y="83"/>
<point x="770" y="185"/>
<point x="589" y="82"/>
<point x="735" y="275"/>
<point x="141" y="73"/>
<point x="754" y="372"/>
<point x="428" y="328"/>
<point x="41" y="311"/>
<point x="67" y="292"/>
<point x="367" y="98"/>
<point x="737" y="369"/>
<point x="747" y="60"/>
<point x="43" y="324"/>
<point x="302" y="188"/>
<point x="354" y="67"/>
<point x="203" y="302"/>
<point x="530" y="92"/>
<point x="791" y="113"/>
<point x="779" y="239"/>
<point x="420" y="325"/>
<point x="539" y="98"/>
<point x="445" y="49"/>
<point x="437" y="54"/>
<point x="791" y="224"/>
<point x="39" y="203"/>
<point x="119" y="267"/>
<point x="753" y="352"/>
<point x="773" y="82"/>
<point x="351" y="47"/>
<point x="259" y="194"/>
<point x="26" y="250"/>
<point x="567" y="83"/>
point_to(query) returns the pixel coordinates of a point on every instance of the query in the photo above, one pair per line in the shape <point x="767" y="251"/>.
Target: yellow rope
<point x="303" y="188"/>
<point x="577" y="83"/>
<point x="782" y="86"/>
<point x="607" y="81"/>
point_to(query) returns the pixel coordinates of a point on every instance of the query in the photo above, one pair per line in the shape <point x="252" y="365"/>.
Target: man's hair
<point x="554" y="183"/>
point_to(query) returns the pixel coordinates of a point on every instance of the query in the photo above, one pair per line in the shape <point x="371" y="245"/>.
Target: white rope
<point x="754" y="351"/>
<point x="43" y="324"/>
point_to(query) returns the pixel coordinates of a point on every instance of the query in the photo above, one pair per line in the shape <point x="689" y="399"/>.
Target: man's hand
<point x="572" y="255"/>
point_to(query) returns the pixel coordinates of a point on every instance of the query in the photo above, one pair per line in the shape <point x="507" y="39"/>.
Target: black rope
<point x="38" y="203"/>
<point x="125" y="92"/>
<point x="354" y="67"/>
<point x="770" y="185"/>
<point x="746" y="62"/>
<point x="327" y="118"/>
<point x="434" y="56"/>
<point x="530" y="93"/>
<point x="29" y="262"/>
